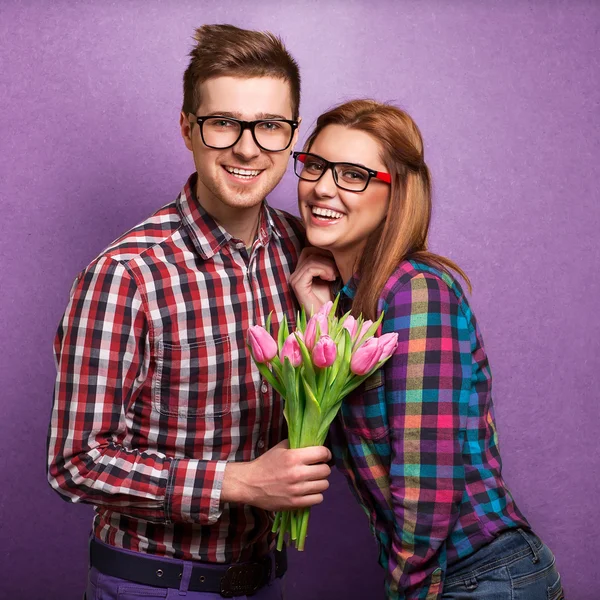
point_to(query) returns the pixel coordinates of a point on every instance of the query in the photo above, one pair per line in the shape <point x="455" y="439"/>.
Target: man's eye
<point x="221" y="123"/>
<point x="269" y="125"/>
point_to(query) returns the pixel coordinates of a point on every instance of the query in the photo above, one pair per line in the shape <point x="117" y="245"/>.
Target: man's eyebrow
<point x="237" y="115"/>
<point x="270" y="116"/>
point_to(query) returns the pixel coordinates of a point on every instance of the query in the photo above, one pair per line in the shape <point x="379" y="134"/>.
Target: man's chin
<point x="242" y="199"/>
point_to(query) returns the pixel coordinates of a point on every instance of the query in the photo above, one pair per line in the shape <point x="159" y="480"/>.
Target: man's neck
<point x="240" y="223"/>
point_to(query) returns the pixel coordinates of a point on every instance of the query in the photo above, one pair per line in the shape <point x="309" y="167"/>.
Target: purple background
<point x="507" y="96"/>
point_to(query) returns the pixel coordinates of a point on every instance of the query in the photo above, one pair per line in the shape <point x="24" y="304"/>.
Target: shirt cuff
<point x="194" y="491"/>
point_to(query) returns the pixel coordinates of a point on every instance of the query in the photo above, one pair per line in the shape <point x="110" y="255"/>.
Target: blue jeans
<point x="517" y="565"/>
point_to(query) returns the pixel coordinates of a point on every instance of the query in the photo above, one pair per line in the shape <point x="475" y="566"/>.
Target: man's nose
<point x="246" y="147"/>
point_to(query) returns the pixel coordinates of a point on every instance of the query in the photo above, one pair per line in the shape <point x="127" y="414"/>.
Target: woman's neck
<point x="346" y="262"/>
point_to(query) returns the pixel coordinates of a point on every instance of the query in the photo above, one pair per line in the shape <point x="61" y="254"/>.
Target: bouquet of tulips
<point x="313" y="368"/>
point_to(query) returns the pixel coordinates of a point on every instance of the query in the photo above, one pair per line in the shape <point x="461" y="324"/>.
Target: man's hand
<point x="280" y="479"/>
<point x="311" y="281"/>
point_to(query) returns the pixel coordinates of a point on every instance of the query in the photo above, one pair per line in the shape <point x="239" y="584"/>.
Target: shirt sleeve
<point x="427" y="384"/>
<point x="102" y="352"/>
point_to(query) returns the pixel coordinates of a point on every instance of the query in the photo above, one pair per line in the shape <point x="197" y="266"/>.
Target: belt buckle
<point x="244" y="579"/>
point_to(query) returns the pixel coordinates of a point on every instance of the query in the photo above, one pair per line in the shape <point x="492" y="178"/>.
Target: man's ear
<point x="296" y="134"/>
<point x="186" y="130"/>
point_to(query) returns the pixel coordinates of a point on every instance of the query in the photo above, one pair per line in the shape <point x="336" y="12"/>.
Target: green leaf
<point x="276" y="366"/>
<point x="312" y="417"/>
<point x="268" y="323"/>
<point x="281" y="334"/>
<point x="307" y="365"/>
<point x="294" y="406"/>
<point x="266" y="373"/>
<point x="334" y="393"/>
<point x="370" y="332"/>
<point x="302" y="322"/>
<point x="339" y="326"/>
<point x="333" y="371"/>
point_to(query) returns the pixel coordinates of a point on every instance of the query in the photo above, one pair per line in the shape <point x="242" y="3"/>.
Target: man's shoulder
<point x="288" y="225"/>
<point x="155" y="230"/>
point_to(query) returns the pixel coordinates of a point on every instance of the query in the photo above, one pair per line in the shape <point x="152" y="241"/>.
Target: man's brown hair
<point x="225" y="50"/>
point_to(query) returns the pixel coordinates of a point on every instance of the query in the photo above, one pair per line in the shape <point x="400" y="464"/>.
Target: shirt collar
<point x="350" y="287"/>
<point x="208" y="236"/>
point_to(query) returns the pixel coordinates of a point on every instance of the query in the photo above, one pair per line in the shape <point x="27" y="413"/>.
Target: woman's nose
<point x="326" y="187"/>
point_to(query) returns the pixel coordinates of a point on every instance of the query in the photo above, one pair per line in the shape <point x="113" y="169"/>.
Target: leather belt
<point x="228" y="580"/>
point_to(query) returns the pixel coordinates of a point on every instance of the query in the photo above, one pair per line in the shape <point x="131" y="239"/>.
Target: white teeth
<point x="242" y="172"/>
<point x="326" y="212"/>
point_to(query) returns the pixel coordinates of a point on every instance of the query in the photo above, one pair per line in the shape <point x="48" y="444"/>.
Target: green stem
<point x="276" y="522"/>
<point x="303" y="529"/>
<point x="282" y="530"/>
<point x="294" y="525"/>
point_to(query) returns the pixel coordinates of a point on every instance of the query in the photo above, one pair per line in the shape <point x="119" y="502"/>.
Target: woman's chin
<point x="317" y="239"/>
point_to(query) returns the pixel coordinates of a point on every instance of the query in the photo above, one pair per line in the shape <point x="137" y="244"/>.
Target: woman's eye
<point x="353" y="175"/>
<point x="313" y="166"/>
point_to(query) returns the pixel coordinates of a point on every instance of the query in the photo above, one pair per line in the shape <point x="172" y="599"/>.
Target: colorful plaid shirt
<point x="417" y="441"/>
<point x="156" y="390"/>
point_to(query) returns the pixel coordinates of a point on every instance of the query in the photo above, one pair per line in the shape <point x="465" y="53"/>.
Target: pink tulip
<point x="388" y="343"/>
<point x="363" y="330"/>
<point x="325" y="309"/>
<point x="262" y="345"/>
<point x="311" y="329"/>
<point x="365" y="357"/>
<point x="350" y="324"/>
<point x="324" y="352"/>
<point x="291" y="350"/>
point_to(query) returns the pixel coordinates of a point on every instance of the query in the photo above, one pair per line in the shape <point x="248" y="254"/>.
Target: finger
<point x="318" y="472"/>
<point x="283" y="444"/>
<point x="309" y="271"/>
<point x="313" y="455"/>
<point x="309" y="500"/>
<point x="308" y="488"/>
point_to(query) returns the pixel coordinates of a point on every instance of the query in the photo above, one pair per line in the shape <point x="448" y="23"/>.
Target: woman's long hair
<point x="403" y="233"/>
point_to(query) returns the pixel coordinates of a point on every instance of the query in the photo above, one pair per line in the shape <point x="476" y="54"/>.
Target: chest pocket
<point x="364" y="411"/>
<point x="193" y="379"/>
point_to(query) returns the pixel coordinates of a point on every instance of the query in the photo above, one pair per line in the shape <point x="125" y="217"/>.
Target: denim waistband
<point x="509" y="546"/>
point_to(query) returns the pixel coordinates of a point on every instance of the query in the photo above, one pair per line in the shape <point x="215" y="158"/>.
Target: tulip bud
<point x="388" y="343"/>
<point x="262" y="345"/>
<point x="324" y="352"/>
<point x="291" y="350"/>
<point x="350" y="324"/>
<point x="311" y="329"/>
<point x="325" y="309"/>
<point x="363" y="330"/>
<point x="365" y="357"/>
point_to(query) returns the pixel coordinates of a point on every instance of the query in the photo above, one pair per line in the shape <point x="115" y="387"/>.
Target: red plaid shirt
<point x="156" y="390"/>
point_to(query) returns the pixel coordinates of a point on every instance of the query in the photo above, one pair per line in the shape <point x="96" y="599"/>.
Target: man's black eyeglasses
<point x="271" y="135"/>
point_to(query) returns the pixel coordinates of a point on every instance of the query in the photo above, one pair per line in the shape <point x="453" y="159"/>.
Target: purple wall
<point x="508" y="98"/>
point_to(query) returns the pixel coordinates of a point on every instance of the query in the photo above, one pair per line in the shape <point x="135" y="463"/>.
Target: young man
<point x="160" y="418"/>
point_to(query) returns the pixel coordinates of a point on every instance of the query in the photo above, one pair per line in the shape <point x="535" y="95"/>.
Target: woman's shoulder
<point x="429" y="280"/>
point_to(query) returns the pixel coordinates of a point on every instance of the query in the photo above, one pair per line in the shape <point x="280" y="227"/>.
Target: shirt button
<point x="264" y="388"/>
<point x="261" y="443"/>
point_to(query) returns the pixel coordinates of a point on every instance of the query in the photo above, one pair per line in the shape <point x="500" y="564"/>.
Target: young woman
<point x="417" y="442"/>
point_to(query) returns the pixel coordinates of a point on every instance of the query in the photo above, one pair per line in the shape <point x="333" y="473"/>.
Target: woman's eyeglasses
<point x="347" y="176"/>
